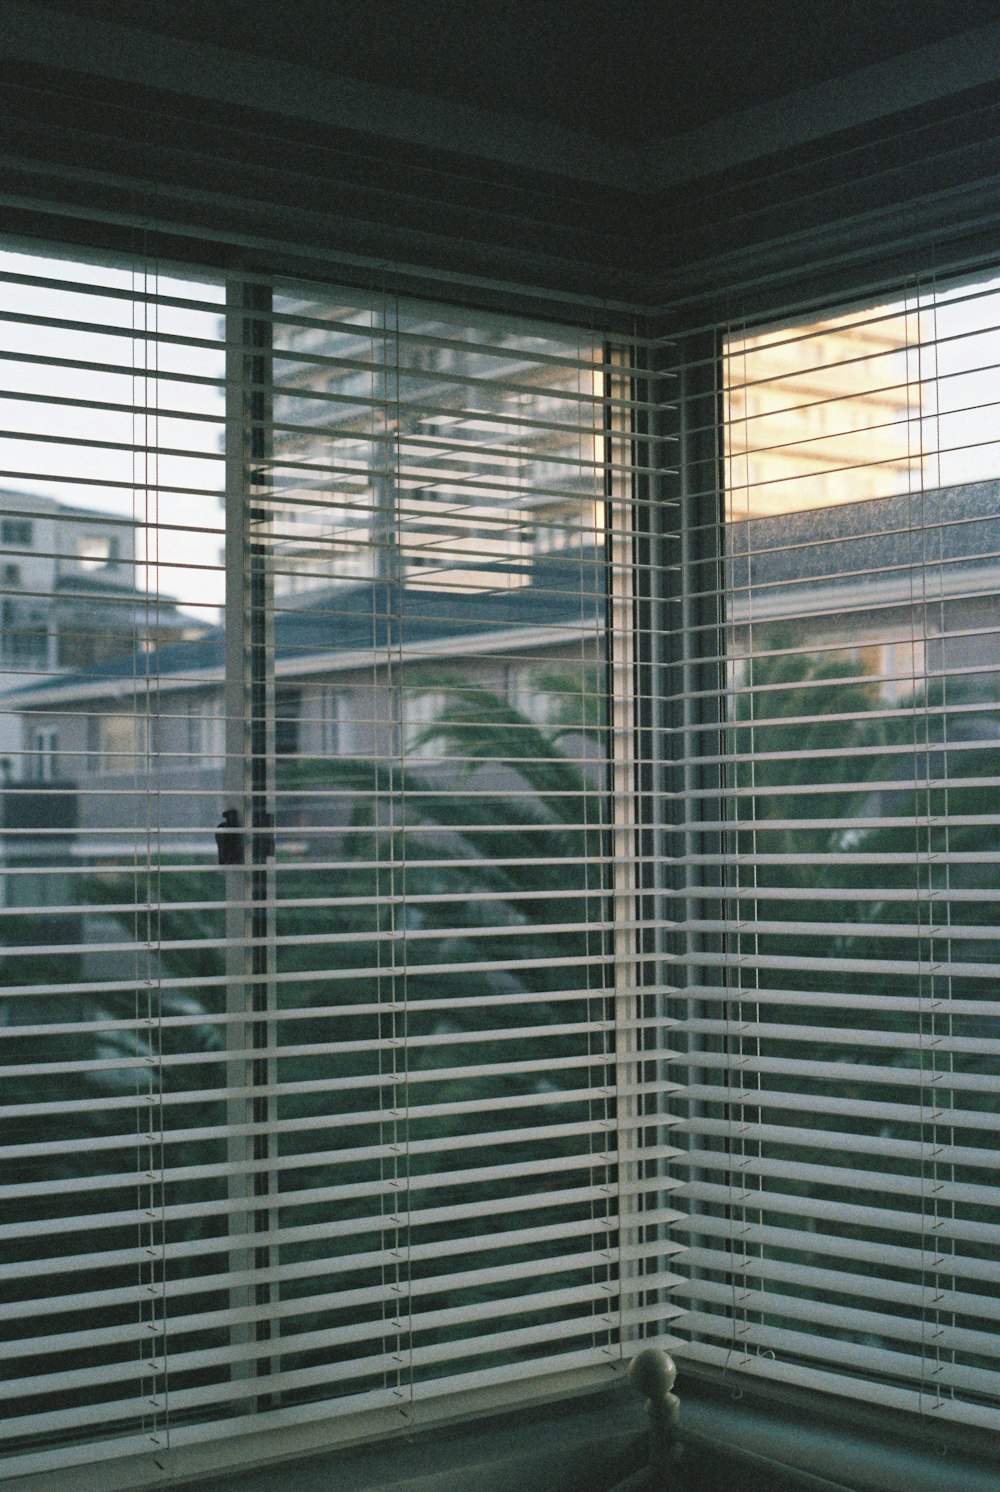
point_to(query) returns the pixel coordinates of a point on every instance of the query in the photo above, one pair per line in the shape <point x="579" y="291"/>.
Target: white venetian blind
<point x="460" y="1110"/>
<point x="837" y="978"/>
<point x="366" y="1126"/>
<point x="111" y="592"/>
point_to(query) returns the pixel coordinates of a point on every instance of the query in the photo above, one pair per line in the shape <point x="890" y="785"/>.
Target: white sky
<point x="965" y="323"/>
<point x="189" y="565"/>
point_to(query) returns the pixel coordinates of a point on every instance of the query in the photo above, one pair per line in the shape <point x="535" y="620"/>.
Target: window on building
<point x="79" y="645"/>
<point x="195" y="732"/>
<point x="99" y="549"/>
<point x="333" y="722"/>
<point x="92" y="729"/>
<point x="24" y="632"/>
<point x="287" y="721"/>
<point x="422" y="709"/>
<point x="43" y="755"/>
<point x="17" y="531"/>
<point x="124" y="741"/>
<point x="203" y="729"/>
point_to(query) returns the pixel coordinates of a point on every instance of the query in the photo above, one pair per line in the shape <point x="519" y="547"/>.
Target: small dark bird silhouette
<point x="229" y="838"/>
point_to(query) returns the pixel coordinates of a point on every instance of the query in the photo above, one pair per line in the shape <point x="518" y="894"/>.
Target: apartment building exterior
<point x="68" y="601"/>
<point x="814" y="413"/>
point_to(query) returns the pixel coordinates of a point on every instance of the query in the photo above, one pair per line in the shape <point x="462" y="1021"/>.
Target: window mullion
<point x="249" y="778"/>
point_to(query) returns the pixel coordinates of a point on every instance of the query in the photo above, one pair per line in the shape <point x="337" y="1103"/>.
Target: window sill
<point x="593" y="1441"/>
<point x="583" y="1444"/>
<point x="838" y="1441"/>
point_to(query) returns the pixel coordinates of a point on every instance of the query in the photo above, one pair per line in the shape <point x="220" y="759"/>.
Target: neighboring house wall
<point x="163" y="760"/>
<point x="68" y="601"/>
<point x="845" y="578"/>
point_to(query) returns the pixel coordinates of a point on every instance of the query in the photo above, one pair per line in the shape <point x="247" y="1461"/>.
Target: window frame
<point x="669" y="653"/>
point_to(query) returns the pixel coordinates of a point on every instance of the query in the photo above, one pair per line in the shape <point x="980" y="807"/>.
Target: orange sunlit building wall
<point x="824" y="413"/>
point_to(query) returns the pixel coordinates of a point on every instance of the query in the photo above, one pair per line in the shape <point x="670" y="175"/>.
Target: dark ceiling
<point x="625" y="69"/>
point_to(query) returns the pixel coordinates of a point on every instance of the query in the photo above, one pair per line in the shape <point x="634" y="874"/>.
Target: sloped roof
<point x="113" y="586"/>
<point x="371" y="616"/>
<point x="869" y="542"/>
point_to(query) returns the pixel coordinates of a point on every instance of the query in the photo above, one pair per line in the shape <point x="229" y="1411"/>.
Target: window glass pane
<point x="112" y="410"/>
<point x="846" y="1142"/>
<point x="441" y="923"/>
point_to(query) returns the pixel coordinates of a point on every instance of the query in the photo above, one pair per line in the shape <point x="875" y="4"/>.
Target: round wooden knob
<point x="653" y="1373"/>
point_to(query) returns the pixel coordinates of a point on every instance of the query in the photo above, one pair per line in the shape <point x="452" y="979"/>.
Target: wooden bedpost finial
<point x="654" y="1374"/>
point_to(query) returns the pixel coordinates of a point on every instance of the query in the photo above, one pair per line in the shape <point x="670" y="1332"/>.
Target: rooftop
<point x="813" y="561"/>
<point x="345" y="625"/>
